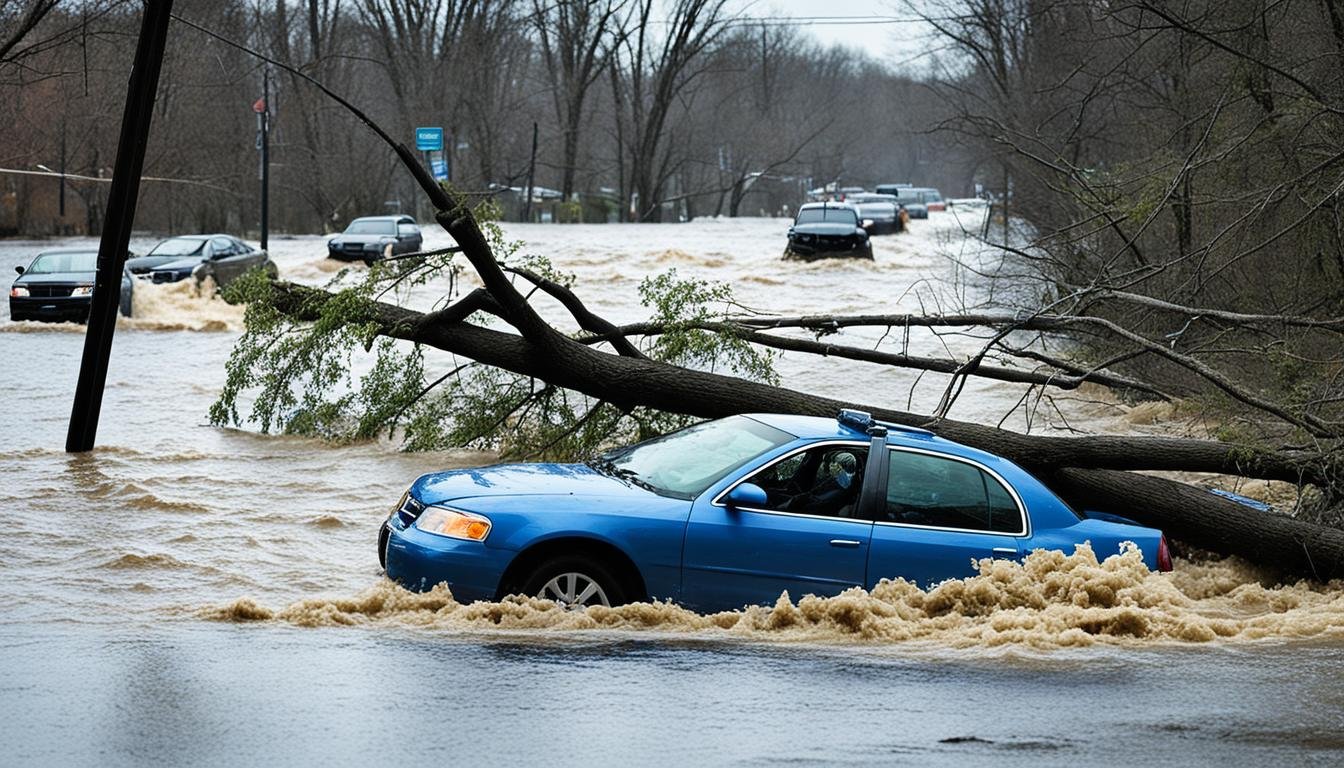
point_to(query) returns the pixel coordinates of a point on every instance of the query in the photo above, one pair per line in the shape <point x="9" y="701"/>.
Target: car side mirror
<point x="746" y="495"/>
<point x="19" y="270"/>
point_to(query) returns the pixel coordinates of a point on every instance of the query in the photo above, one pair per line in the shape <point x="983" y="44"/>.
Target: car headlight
<point x="334" y="244"/>
<point x="82" y="290"/>
<point x="18" y="292"/>
<point x="453" y="523"/>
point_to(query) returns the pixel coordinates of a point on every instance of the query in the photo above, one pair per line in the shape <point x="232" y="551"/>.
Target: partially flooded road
<point x="187" y="594"/>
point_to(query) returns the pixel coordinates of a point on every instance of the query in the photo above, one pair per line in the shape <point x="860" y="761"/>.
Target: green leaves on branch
<point x="322" y="368"/>
<point x="680" y="305"/>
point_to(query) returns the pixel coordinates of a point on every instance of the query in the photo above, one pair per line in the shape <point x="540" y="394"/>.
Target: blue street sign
<point x="438" y="167"/>
<point x="429" y="139"/>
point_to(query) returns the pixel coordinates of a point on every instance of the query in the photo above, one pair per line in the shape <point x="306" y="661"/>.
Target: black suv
<point x="828" y="230"/>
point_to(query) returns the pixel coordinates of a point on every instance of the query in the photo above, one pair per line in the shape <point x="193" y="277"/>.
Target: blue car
<point x="733" y="512"/>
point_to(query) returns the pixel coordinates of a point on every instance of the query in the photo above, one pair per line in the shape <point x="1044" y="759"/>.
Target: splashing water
<point x="1050" y="600"/>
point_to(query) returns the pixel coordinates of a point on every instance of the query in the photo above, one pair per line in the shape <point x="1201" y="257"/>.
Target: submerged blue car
<point x="733" y="512"/>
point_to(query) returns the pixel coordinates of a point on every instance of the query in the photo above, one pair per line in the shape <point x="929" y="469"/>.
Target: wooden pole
<point x="116" y="236"/>
<point x="531" y="176"/>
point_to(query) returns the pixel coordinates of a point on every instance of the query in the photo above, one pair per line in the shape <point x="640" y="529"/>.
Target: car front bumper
<point x="50" y="308"/>
<point x="418" y="561"/>
<point x="812" y="251"/>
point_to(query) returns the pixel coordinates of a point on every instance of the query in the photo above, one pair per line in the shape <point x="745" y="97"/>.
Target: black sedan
<point x="828" y="230"/>
<point x="374" y="237"/>
<point x="58" y="285"/>
<point x="221" y="257"/>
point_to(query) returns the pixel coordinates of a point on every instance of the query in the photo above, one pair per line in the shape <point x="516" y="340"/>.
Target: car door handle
<point x="1009" y="551"/>
<point x="851" y="543"/>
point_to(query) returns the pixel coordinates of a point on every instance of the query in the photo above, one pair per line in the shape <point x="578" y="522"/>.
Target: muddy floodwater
<point x="192" y="595"/>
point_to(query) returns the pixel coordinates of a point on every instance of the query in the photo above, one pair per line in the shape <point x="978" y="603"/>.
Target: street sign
<point x="429" y="139"/>
<point x="438" y="167"/>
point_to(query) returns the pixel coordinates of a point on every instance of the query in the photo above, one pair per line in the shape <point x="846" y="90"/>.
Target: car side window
<point x="821" y="481"/>
<point x="406" y="228"/>
<point x="944" y="493"/>
<point x="221" y="247"/>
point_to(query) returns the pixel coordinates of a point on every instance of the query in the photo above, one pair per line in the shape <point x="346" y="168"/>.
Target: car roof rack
<point x="864" y="422"/>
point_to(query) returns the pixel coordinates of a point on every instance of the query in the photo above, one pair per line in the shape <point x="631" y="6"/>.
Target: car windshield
<point x="52" y="263"/>
<point x="371" y="228"/>
<point x="685" y="463"/>
<point x="178" y="246"/>
<point x="827" y="215"/>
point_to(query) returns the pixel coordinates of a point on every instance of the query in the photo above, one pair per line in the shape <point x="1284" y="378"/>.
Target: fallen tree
<point x="1096" y="472"/>
<point x="1086" y="471"/>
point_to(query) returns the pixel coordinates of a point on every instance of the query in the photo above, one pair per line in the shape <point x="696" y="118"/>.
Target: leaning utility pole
<point x="116" y="237"/>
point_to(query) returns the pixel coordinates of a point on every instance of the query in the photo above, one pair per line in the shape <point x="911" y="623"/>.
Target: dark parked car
<point x="908" y="198"/>
<point x="932" y="198"/>
<point x="58" y="285"/>
<point x="880" y="214"/>
<point x="367" y="239"/>
<point x="828" y="230"/>
<point x="221" y="257"/>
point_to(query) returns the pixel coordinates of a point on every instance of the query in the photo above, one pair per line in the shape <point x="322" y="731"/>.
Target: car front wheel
<point x="575" y="583"/>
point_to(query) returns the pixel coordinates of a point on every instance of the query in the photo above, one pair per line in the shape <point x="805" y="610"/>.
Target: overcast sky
<point x="873" y="26"/>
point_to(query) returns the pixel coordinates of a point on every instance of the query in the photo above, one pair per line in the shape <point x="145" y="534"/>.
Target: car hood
<point x="522" y="480"/>
<point x="824" y="229"/>
<point x="55" y="277"/>
<point x="189" y="262"/>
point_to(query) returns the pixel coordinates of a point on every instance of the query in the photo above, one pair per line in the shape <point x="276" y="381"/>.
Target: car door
<point x="408" y="237"/>
<point x="247" y="257"/>
<point x="808" y="538"/>
<point x="940" y="515"/>
<point x="223" y="261"/>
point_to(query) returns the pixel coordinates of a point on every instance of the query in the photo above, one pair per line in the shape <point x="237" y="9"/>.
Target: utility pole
<point x="263" y="110"/>
<point x="116" y="237"/>
<point x="531" y="176"/>
<point x="62" y="198"/>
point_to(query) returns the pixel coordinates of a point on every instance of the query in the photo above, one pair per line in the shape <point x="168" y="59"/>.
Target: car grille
<point x="49" y="291"/>
<point x="166" y="277"/>
<point x="835" y="242"/>
<point x="353" y="248"/>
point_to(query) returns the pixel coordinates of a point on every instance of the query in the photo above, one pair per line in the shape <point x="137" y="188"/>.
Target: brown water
<point x="189" y="594"/>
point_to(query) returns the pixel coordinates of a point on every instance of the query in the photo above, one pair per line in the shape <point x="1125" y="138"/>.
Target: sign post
<point x="429" y="140"/>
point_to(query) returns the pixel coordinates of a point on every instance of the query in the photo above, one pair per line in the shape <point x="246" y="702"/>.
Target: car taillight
<point x="1163" y="555"/>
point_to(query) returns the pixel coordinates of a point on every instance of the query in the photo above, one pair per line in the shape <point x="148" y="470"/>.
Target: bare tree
<point x="654" y="61"/>
<point x="574" y="39"/>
